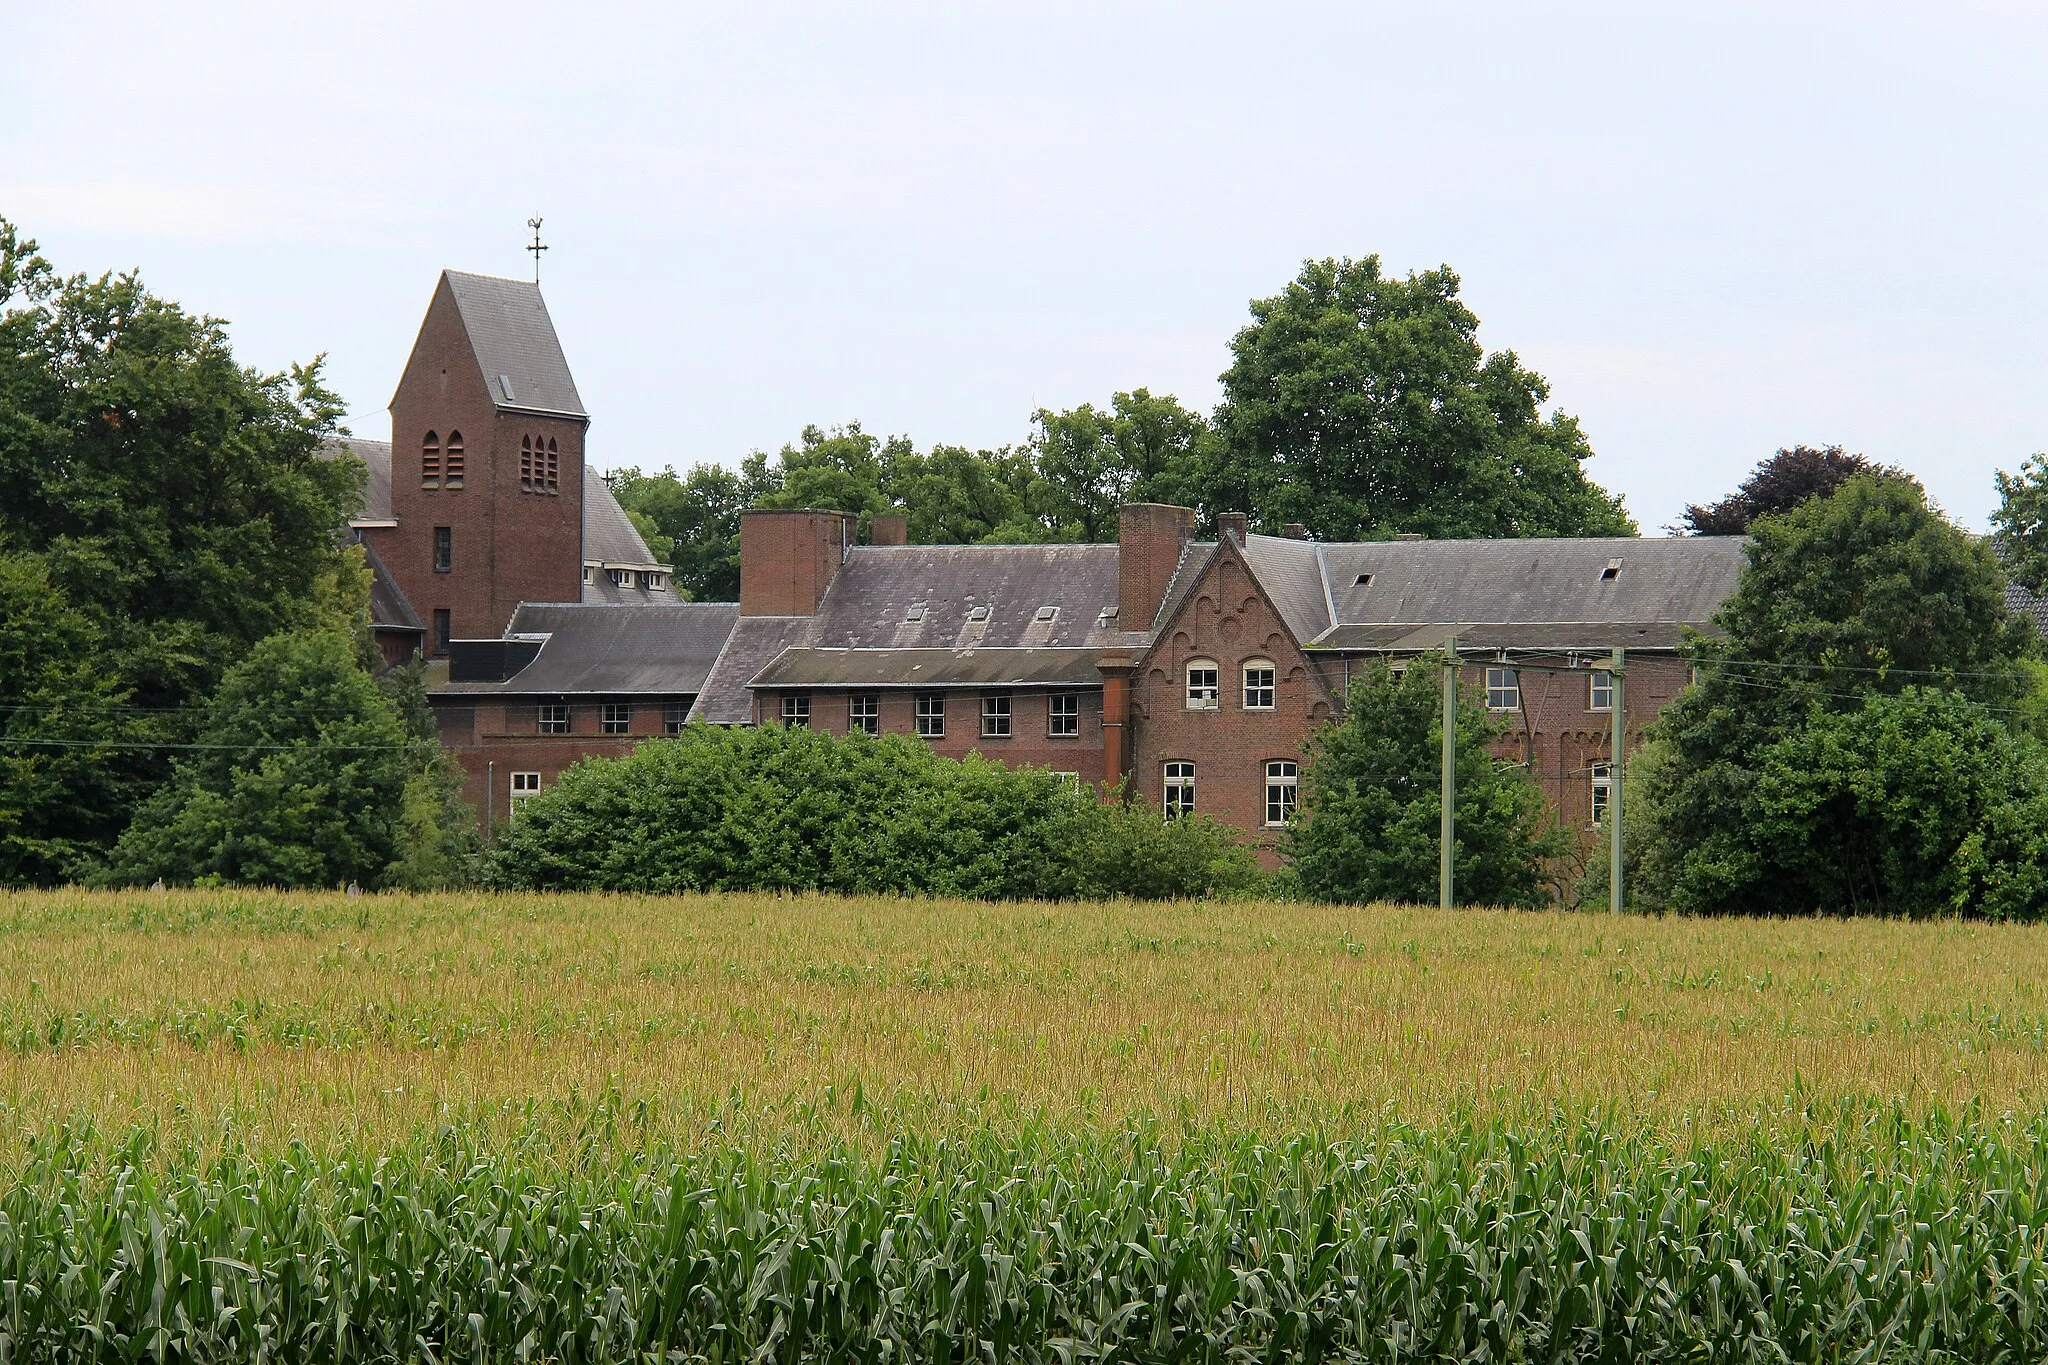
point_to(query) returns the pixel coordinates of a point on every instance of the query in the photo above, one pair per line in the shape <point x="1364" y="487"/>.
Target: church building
<point x="1194" y="671"/>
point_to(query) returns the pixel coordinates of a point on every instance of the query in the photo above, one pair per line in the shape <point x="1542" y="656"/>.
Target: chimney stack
<point x="1149" y="537"/>
<point x="1232" y="525"/>
<point x="889" y="528"/>
<point x="788" y="558"/>
<point x="1294" y="530"/>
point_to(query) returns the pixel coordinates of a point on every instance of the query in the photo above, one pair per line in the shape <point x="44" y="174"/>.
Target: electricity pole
<point x="1620" y="744"/>
<point x="1447" y="820"/>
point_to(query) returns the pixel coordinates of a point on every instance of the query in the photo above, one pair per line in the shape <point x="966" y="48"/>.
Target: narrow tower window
<point x="430" y="461"/>
<point x="554" y="467"/>
<point x="526" y="463"/>
<point x="453" y="463"/>
<point x="444" y="548"/>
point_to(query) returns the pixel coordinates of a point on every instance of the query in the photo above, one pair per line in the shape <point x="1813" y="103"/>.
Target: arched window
<point x="554" y="467"/>
<point x="452" y="463"/>
<point x="1258" y="684"/>
<point x="526" y="464"/>
<point x="430" y="461"/>
<point x="1205" y="685"/>
<point x="1283" y="780"/>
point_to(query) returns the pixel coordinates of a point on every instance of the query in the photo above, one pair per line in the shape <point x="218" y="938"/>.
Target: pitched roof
<point x="810" y="666"/>
<point x="665" y="648"/>
<point x="754" y="642"/>
<point x="389" y="607"/>
<point x="376" y="458"/>
<point x="1291" y="572"/>
<point x="515" y="343"/>
<point x="870" y="602"/>
<point x="1559" y="587"/>
<point x="609" y="538"/>
<point x="2020" y="602"/>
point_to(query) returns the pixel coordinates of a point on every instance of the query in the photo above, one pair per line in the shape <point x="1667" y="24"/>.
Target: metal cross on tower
<point x="537" y="247"/>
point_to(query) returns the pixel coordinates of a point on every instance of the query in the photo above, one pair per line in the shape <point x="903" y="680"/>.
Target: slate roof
<point x="609" y="538"/>
<point x="389" y="607"/>
<point x="1553" y="588"/>
<point x="1291" y="572"/>
<point x="810" y="666"/>
<point x="664" y="648"/>
<point x="515" y="343"/>
<point x="2020" y="602"/>
<point x="868" y="605"/>
<point x="754" y="643"/>
<point x="376" y="457"/>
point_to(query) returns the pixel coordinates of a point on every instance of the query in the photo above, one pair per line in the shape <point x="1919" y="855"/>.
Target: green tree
<point x="1779" y="484"/>
<point x="304" y="773"/>
<point x="1091" y="462"/>
<point x="1370" y="803"/>
<point x="2019" y="528"/>
<point x="695" y="520"/>
<point x="1361" y="406"/>
<point x="174" y="500"/>
<point x="1862" y="593"/>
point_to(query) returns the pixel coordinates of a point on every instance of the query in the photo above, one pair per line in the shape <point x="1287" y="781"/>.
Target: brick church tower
<point x="486" y="462"/>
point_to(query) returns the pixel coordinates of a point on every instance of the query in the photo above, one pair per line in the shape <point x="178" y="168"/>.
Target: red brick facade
<point x="1029" y="742"/>
<point x="494" y="739"/>
<point x="509" y="539"/>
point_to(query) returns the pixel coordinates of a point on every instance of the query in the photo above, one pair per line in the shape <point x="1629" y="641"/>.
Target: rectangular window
<point x="552" y="717"/>
<point x="1205" y="688"/>
<point x="444" y="629"/>
<point x="1070" y="779"/>
<point x="1063" y="714"/>
<point x="995" y="716"/>
<point x="931" y="715"/>
<point x="674" y="714"/>
<point x="1180" y="789"/>
<point x="444" y="548"/>
<point x="1283" y="780"/>
<point x="1600" y="691"/>
<point x="1503" y="690"/>
<point x="523" y="786"/>
<point x="864" y="714"/>
<point x="1258" y="686"/>
<point x="615" y="718"/>
<point x="1603" y="789"/>
<point x="796" y="709"/>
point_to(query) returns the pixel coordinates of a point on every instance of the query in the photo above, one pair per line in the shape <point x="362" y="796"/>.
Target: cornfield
<point x="247" y="1126"/>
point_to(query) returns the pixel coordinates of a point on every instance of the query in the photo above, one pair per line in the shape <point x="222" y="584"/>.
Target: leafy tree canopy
<point x="2019" y="528"/>
<point x="1368" y="824"/>
<point x="305" y="773"/>
<point x="1860" y="594"/>
<point x="1361" y="406"/>
<point x="1779" y="484"/>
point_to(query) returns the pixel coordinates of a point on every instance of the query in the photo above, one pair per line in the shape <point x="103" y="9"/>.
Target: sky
<point x="1717" y="229"/>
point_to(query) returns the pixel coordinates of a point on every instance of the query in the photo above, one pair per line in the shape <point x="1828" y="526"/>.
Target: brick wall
<point x="507" y="544"/>
<point x="788" y="559"/>
<point x="493" y="738"/>
<point x="1228" y="619"/>
<point x="1027" y="743"/>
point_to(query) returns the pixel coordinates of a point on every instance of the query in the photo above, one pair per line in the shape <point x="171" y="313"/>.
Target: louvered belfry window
<point x="526" y="464"/>
<point x="430" y="461"/>
<point x="452" y="461"/>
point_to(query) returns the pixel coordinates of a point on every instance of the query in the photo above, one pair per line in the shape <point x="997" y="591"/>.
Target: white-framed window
<point x="1283" y="780"/>
<point x="589" y="573"/>
<point x="1603" y="790"/>
<point x="1205" y="685"/>
<point x="864" y="714"/>
<point x="1600" y="690"/>
<point x="1070" y="779"/>
<point x="615" y="718"/>
<point x="1503" y="690"/>
<point x="656" y="580"/>
<point x="796" y="708"/>
<point x="1258" y="685"/>
<point x="1063" y="714"/>
<point x="1180" y="789"/>
<point x="524" y="785"/>
<point x="552" y="717"/>
<point x="931" y="715"/>
<point x="673" y="716"/>
<point x="621" y="578"/>
<point x="995" y="716"/>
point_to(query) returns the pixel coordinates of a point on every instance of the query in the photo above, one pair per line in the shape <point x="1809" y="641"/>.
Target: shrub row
<point x="793" y="809"/>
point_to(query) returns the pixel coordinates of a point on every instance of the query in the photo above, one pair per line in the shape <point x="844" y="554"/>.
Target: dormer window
<point x="655" y="580"/>
<point x="977" y="613"/>
<point x="430" y="461"/>
<point x="621" y="578"/>
<point x="1611" y="572"/>
<point x="452" y="461"/>
<point x="1364" y="580"/>
<point x="589" y="573"/>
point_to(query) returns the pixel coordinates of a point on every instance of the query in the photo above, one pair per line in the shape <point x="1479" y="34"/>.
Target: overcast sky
<point x="1716" y="231"/>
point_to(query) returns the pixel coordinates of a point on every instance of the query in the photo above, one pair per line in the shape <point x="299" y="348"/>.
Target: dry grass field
<point x="278" y="1016"/>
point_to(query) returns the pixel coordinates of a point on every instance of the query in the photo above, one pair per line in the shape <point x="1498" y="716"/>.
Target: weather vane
<point x="537" y="247"/>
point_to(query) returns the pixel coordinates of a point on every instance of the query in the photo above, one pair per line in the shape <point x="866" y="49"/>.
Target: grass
<point x="274" y="1126"/>
<point x="303" y="1017"/>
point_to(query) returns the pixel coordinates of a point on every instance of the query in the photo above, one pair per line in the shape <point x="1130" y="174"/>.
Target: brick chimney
<point x="1294" y="530"/>
<point x="889" y="528"/>
<point x="787" y="559"/>
<point x="1149" y="536"/>
<point x="1232" y="525"/>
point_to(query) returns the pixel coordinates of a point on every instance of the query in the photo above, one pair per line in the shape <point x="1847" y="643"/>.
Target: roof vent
<point x="1364" y="580"/>
<point x="915" y="613"/>
<point x="505" y="387"/>
<point x="979" y="613"/>
<point x="1047" y="613"/>
<point x="1108" y="615"/>
<point x="1611" y="572"/>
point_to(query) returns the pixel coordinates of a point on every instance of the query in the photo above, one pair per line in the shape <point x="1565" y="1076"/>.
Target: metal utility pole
<point x="1447" y="820"/>
<point x="1614" y="773"/>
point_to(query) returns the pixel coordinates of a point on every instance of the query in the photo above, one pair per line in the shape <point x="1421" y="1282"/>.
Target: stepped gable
<point x="613" y="649"/>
